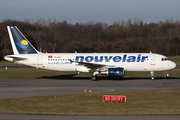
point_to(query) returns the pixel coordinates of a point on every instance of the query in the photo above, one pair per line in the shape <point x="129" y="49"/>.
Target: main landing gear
<point x="152" y="75"/>
<point x="95" y="77"/>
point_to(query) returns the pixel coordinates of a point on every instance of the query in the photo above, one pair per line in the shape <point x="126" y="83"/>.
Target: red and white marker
<point x="114" y="98"/>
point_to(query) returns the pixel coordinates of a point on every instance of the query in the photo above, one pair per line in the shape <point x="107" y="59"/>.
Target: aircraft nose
<point x="173" y="65"/>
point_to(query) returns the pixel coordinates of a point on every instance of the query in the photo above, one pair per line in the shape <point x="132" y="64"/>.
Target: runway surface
<point x="27" y="88"/>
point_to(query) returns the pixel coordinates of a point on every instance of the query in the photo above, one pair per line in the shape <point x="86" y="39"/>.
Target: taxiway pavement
<point x="28" y="88"/>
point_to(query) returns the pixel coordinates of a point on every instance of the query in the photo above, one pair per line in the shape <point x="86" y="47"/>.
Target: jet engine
<point x="114" y="72"/>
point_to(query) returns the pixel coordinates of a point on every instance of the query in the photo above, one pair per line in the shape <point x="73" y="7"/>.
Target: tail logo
<point x="23" y="44"/>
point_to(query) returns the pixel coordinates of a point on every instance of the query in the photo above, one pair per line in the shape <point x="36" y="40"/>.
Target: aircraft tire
<point x="94" y="78"/>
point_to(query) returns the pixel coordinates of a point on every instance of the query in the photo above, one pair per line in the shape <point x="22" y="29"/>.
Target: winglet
<point x="19" y="42"/>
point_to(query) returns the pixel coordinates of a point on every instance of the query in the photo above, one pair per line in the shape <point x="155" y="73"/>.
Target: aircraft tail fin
<point x="19" y="42"/>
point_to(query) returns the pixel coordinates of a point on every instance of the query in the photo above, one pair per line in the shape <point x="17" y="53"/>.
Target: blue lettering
<point x="89" y="58"/>
<point x="63" y="63"/>
<point x="96" y="59"/>
<point x="124" y="58"/>
<point x="143" y="58"/>
<point x="81" y="57"/>
<point x="139" y="58"/>
<point x="117" y="59"/>
<point x="56" y="63"/>
<point x="108" y="59"/>
<point x="131" y="59"/>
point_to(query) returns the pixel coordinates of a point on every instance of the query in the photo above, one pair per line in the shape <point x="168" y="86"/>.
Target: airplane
<point x="112" y="64"/>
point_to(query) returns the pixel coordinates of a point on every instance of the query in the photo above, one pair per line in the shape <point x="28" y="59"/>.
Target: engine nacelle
<point x="116" y="72"/>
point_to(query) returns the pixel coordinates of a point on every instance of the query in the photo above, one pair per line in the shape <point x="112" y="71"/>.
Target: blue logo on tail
<point x="23" y="44"/>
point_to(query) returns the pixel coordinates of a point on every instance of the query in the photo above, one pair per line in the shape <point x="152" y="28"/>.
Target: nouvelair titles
<point x="124" y="58"/>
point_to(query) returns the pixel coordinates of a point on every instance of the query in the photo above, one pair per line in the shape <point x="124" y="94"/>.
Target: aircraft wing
<point x="94" y="66"/>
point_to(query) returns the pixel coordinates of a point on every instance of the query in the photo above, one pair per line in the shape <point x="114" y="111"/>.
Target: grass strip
<point x="4" y="85"/>
<point x="151" y="102"/>
<point x="7" y="63"/>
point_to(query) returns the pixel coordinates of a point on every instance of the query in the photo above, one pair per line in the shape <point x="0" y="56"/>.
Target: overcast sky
<point x="82" y="11"/>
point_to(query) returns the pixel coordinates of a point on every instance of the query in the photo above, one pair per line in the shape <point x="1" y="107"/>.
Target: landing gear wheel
<point x="94" y="78"/>
<point x="152" y="75"/>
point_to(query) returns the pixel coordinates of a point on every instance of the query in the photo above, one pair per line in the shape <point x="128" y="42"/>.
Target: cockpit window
<point x="164" y="59"/>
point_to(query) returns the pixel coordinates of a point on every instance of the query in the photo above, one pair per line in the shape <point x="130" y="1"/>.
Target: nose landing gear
<point x="152" y="75"/>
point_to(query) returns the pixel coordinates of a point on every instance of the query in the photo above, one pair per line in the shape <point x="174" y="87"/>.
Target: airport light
<point x="85" y="92"/>
<point x="90" y="92"/>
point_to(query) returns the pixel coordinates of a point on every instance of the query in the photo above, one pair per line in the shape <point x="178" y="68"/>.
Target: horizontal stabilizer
<point x="14" y="58"/>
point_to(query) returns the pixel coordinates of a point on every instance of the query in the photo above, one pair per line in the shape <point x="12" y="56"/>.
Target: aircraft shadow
<point x="67" y="76"/>
<point x="74" y="77"/>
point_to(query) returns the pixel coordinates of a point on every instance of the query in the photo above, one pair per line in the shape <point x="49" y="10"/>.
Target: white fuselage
<point x="128" y="61"/>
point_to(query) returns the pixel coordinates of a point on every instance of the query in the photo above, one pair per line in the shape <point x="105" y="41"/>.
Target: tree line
<point x="131" y="36"/>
